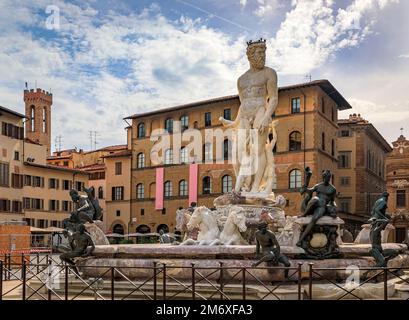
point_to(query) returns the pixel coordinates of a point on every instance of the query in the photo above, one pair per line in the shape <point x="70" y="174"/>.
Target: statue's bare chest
<point x="251" y="80"/>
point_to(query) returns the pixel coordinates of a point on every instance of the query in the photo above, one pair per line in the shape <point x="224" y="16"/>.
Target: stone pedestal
<point x="324" y="240"/>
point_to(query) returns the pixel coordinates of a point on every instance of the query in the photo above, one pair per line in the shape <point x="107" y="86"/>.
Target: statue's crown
<point x="260" y="41"/>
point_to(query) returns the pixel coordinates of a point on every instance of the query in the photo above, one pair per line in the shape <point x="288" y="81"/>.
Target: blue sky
<point x="105" y="60"/>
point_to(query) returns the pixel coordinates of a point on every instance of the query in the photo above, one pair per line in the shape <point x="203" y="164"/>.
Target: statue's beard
<point x="258" y="63"/>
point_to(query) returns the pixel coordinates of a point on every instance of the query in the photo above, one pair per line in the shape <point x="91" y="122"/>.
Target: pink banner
<point x="159" y="188"/>
<point x="193" y="172"/>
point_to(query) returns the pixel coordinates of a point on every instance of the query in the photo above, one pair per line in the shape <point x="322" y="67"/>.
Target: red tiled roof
<point x="54" y="167"/>
<point x="92" y="167"/>
<point x="325" y="85"/>
<point x="124" y="153"/>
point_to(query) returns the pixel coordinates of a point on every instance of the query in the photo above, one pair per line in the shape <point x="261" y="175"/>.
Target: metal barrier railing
<point x="35" y="275"/>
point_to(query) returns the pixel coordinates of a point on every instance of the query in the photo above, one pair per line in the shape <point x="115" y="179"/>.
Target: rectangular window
<point x="38" y="182"/>
<point x="28" y="180"/>
<point x="4" y="205"/>
<point x="227" y="114"/>
<point x="117" y="193"/>
<point x="344" y="160"/>
<point x="97" y="175"/>
<point x="53" y="205"/>
<point x="17" y="206"/>
<point x="345" y="181"/>
<point x="118" y="213"/>
<point x="118" y="168"/>
<point x="142" y="212"/>
<point x="345" y="133"/>
<point x="53" y="183"/>
<point x="4" y="174"/>
<point x="16" y="156"/>
<point x="345" y="205"/>
<point x="27" y="203"/>
<point x="37" y="204"/>
<point x="79" y="186"/>
<point x="66" y="184"/>
<point x="208" y="119"/>
<point x="17" y="181"/>
<point x="65" y="163"/>
<point x="66" y="206"/>
<point x="401" y="198"/>
<point x="12" y="131"/>
<point x="295" y="105"/>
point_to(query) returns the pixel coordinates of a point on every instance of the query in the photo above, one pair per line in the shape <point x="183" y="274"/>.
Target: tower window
<point x="44" y="120"/>
<point x="32" y="120"/>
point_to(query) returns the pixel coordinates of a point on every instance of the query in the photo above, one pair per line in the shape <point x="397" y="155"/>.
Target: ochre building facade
<point x="307" y="116"/>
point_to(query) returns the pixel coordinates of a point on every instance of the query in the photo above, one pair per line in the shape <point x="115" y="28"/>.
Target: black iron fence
<point x="44" y="277"/>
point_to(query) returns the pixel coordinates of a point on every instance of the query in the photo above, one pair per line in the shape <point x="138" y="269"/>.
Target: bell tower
<point x="38" y="112"/>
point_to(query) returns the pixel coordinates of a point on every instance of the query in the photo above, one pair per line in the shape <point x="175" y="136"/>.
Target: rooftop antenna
<point x="93" y="139"/>
<point x="26" y="85"/>
<point x="401" y="131"/>
<point x="58" y="143"/>
<point x="309" y="77"/>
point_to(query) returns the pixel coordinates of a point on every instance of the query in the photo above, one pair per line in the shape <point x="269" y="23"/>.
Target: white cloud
<point x="404" y="56"/>
<point x="266" y="7"/>
<point x="163" y="62"/>
<point x="243" y="3"/>
<point x="167" y="62"/>
<point x="312" y="32"/>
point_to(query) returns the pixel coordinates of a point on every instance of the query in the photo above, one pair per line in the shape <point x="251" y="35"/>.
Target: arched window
<point x="168" y="189"/>
<point x="227" y="184"/>
<point x="140" y="191"/>
<point x="118" y="228"/>
<point x="32" y="120"/>
<point x="184" y="122"/>
<point x="141" y="130"/>
<point x="100" y="193"/>
<point x="323" y="141"/>
<point x="183" y="155"/>
<point x="208" y="152"/>
<point x="295" y="141"/>
<point x="183" y="188"/>
<point x="169" y="125"/>
<point x="333" y="147"/>
<point x="169" y="156"/>
<point x="295" y="179"/>
<point x="226" y="149"/>
<point x="140" y="160"/>
<point x="152" y="190"/>
<point x="207" y="185"/>
<point x="44" y="120"/>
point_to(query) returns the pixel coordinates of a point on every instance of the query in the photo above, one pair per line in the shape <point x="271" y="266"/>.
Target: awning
<point x="54" y="229"/>
<point x="39" y="230"/>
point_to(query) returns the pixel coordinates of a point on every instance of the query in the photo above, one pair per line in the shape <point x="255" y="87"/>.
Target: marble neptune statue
<point x="253" y="128"/>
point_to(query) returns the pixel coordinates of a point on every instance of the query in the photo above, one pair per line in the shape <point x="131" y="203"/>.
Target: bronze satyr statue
<point x="79" y="242"/>
<point x="268" y="248"/>
<point x="379" y="220"/>
<point x="320" y="205"/>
